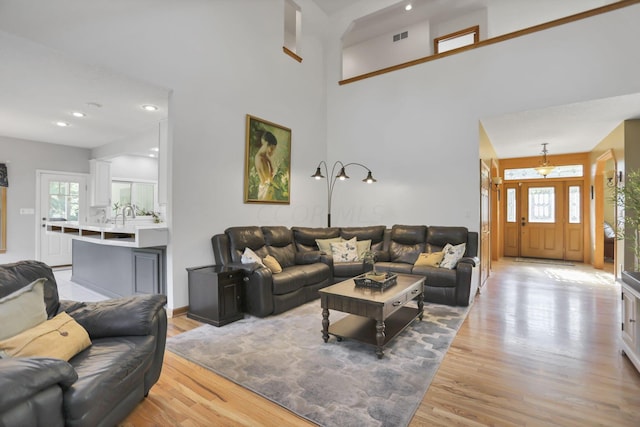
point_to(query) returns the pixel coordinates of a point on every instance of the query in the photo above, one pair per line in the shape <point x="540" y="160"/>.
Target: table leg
<point x="325" y="324"/>
<point x="421" y="305"/>
<point x="380" y="327"/>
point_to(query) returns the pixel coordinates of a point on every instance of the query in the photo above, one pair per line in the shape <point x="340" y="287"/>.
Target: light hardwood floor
<point x="540" y="347"/>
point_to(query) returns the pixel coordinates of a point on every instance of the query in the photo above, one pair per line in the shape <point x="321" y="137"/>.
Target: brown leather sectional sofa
<point x="305" y="269"/>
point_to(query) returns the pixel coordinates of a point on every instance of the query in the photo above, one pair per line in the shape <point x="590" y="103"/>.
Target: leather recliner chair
<point x="100" y="385"/>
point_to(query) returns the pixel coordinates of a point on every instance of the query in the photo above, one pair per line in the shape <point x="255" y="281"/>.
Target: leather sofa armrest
<point x="133" y="315"/>
<point x="473" y="260"/>
<point x="22" y="378"/>
<point x="464" y="272"/>
<point x="258" y="291"/>
<point x="248" y="268"/>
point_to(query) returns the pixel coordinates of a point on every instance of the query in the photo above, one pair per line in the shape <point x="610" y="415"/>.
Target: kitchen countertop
<point x="137" y="235"/>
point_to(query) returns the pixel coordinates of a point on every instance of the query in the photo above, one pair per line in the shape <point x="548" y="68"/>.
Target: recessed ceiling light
<point x="152" y="155"/>
<point x="149" y="107"/>
<point x="78" y="114"/>
<point x="62" y="124"/>
<point x="156" y="149"/>
<point x="408" y="7"/>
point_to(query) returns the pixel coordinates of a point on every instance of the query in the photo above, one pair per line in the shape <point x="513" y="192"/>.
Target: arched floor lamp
<point x="342" y="175"/>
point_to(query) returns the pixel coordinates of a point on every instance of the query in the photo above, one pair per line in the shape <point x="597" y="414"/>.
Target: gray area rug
<point x="284" y="359"/>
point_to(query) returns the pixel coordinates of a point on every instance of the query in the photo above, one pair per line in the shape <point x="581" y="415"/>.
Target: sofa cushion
<point x="436" y="277"/>
<point x="22" y="309"/>
<point x="108" y="371"/>
<point x="305" y="237"/>
<point x="279" y="241"/>
<point x="289" y="280"/>
<point x="407" y="243"/>
<point x="60" y="338"/>
<point x="315" y="273"/>
<point x="439" y="236"/>
<point x="348" y="269"/>
<point x="245" y="237"/>
<point x="394" y="267"/>
<point x="19" y="274"/>
<point x="375" y="233"/>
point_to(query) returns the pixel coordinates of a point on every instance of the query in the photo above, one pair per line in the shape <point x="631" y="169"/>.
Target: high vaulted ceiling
<point x="40" y="86"/>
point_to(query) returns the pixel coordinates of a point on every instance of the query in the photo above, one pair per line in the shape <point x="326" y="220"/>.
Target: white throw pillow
<point x="452" y="255"/>
<point x="346" y="251"/>
<point x="249" y="257"/>
<point x="22" y="309"/>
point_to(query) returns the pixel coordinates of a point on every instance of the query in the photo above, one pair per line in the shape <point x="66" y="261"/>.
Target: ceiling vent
<point x="403" y="35"/>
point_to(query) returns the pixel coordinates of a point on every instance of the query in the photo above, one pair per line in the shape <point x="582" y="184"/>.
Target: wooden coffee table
<point x="376" y="317"/>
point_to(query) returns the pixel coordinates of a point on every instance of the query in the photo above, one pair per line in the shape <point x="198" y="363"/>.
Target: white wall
<point x="381" y="52"/>
<point x="25" y="157"/>
<point x="478" y="17"/>
<point x="134" y="168"/>
<point x="506" y="16"/>
<point x="222" y="60"/>
<point x="417" y="128"/>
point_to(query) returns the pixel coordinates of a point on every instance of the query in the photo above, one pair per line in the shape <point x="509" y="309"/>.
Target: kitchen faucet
<point x="126" y="208"/>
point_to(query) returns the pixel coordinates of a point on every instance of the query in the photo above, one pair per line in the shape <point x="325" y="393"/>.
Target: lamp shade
<point x="369" y="179"/>
<point x="318" y="174"/>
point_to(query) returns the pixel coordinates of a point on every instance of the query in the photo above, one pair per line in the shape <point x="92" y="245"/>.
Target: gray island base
<point x="116" y="271"/>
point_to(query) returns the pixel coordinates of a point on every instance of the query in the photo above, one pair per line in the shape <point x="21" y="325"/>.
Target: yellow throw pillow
<point x="60" y="337"/>
<point x="272" y="264"/>
<point x="432" y="259"/>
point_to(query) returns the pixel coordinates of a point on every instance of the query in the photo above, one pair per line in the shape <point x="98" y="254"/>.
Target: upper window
<point x="456" y="40"/>
<point x="292" y="30"/>
<point x="566" y="171"/>
<point x="140" y="195"/>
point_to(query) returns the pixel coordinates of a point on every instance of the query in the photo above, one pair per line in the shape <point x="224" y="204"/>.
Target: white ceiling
<point x="570" y="128"/>
<point x="40" y="86"/>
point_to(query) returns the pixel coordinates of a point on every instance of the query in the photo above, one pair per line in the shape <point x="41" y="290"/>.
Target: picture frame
<point x="267" y="170"/>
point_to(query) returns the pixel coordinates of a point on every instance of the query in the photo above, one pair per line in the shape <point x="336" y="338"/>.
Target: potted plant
<point x="627" y="197"/>
<point x="369" y="257"/>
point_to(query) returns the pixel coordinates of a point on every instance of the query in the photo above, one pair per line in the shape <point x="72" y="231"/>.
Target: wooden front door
<point x="541" y="220"/>
<point x="544" y="220"/>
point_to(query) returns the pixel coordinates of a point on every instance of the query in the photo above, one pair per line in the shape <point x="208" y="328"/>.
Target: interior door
<point x="62" y="198"/>
<point x="542" y="220"/>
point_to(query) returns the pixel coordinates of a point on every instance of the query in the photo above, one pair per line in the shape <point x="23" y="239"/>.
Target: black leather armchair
<point x="100" y="385"/>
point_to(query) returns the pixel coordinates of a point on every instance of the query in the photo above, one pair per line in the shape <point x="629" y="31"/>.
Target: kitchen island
<point x="117" y="260"/>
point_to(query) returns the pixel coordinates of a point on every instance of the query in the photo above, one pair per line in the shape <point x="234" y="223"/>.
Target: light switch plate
<point x="27" y="211"/>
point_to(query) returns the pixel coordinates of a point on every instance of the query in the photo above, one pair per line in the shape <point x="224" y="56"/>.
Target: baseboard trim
<point x="180" y="311"/>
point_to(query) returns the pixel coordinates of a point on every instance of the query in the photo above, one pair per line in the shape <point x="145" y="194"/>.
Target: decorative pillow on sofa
<point x="249" y="257"/>
<point x="363" y="246"/>
<point x="346" y="251"/>
<point x="432" y="259"/>
<point x="22" y="309"/>
<point x="325" y="244"/>
<point x="272" y="264"/>
<point x="452" y="255"/>
<point x="60" y="338"/>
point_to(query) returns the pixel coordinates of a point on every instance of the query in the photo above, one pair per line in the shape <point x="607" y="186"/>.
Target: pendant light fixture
<point x="545" y="167"/>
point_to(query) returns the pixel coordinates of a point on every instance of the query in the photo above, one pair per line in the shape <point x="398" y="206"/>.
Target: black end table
<point x="215" y="294"/>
